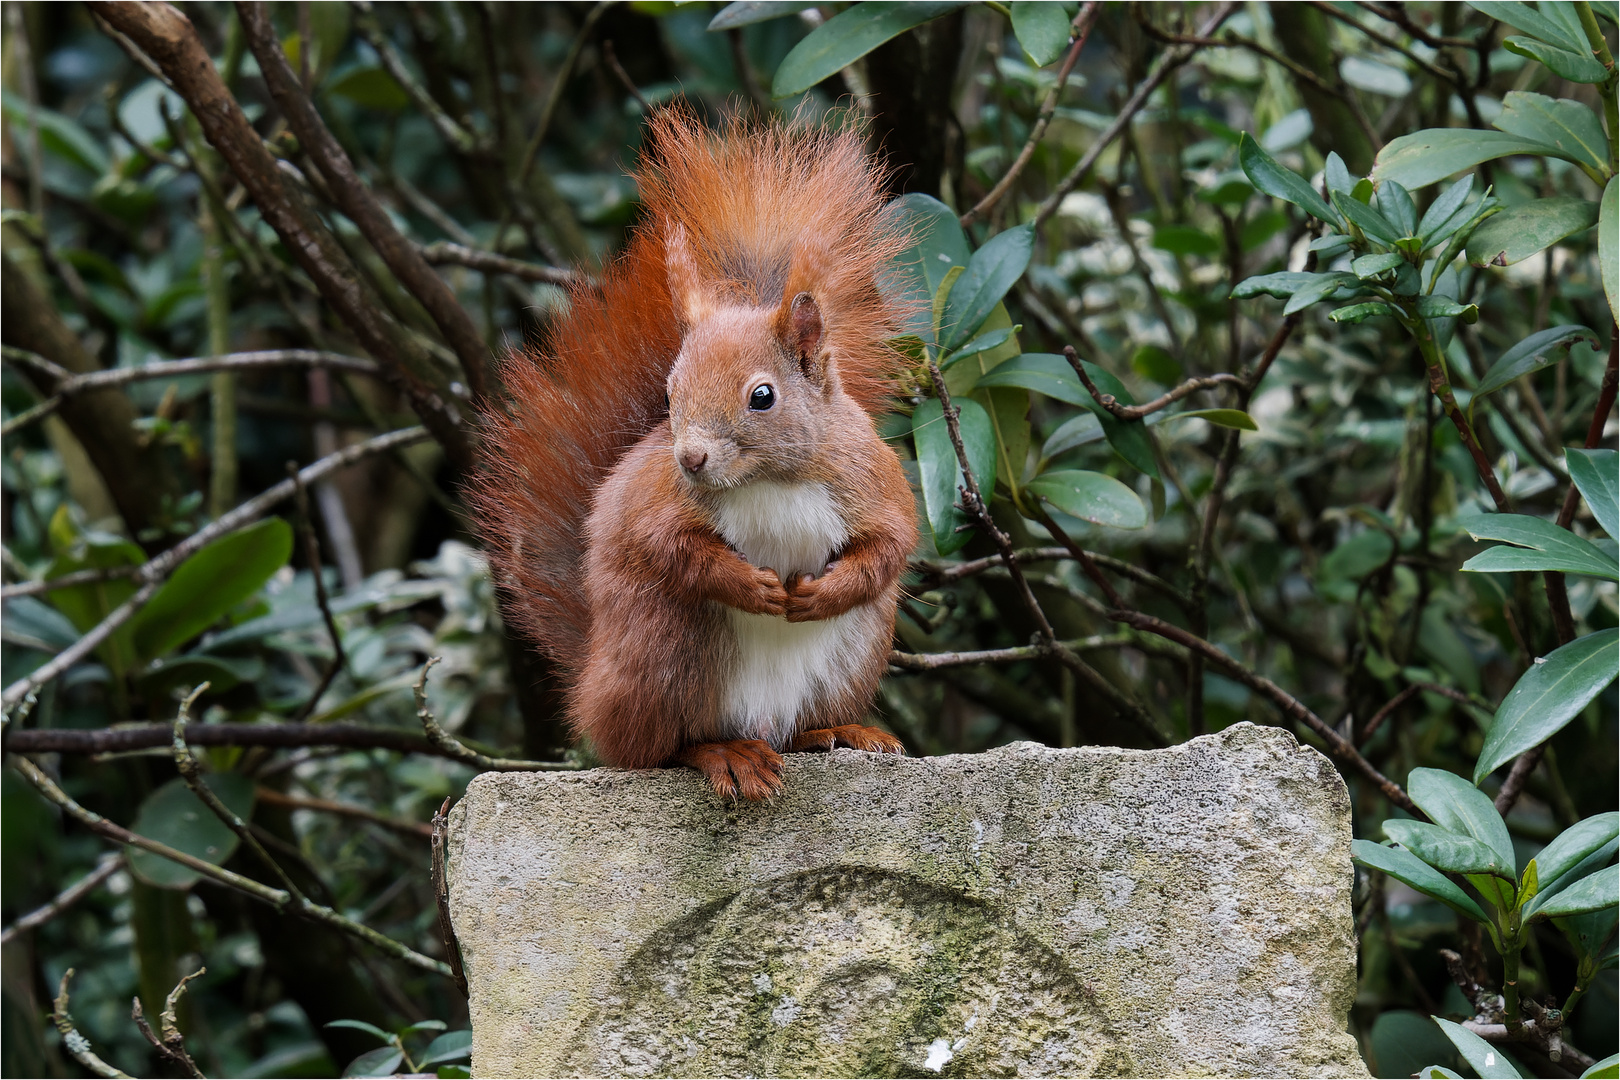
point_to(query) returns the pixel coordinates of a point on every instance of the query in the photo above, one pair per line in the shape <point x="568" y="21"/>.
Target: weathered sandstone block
<point x="1028" y="912"/>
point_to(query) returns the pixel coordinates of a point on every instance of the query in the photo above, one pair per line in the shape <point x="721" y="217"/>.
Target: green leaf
<point x="1579" y="67"/>
<point x="937" y="244"/>
<point x="219" y="672"/>
<point x="1395" y="203"/>
<point x="1574" y="844"/>
<point x="423" y="1025"/>
<point x="1042" y="29"/>
<point x="361" y="1025"/>
<point x="985" y="342"/>
<point x="1441" y="212"/>
<point x="748" y="12"/>
<point x="992" y="270"/>
<point x="58" y="135"/>
<point x="1370" y="221"/>
<point x="1282" y="285"/>
<point x="1555" y="689"/>
<point x="451" y="1046"/>
<point x="1185" y="240"/>
<point x="1454" y="804"/>
<point x="1527" y="19"/>
<point x="1044" y="373"/>
<point x="1595" y="860"/>
<point x="173" y="815"/>
<point x="1437" y="1072"/>
<point x="848" y="36"/>
<point x="86" y="605"/>
<point x="1519" y="232"/>
<point x="1484" y="1058"/>
<point x="1091" y="496"/>
<point x="371" y="88"/>
<point x="1236" y="419"/>
<point x="1568" y="125"/>
<point x="1323" y="287"/>
<point x="942" y="296"/>
<point x="1609" y="244"/>
<point x="1152" y="362"/>
<point x="1280" y="183"/>
<point x="1355" y="313"/>
<point x="1357" y="557"/>
<point x="1550" y="547"/>
<point x="1607" y="1069"/>
<point x="940" y="472"/>
<point x="1597" y="474"/>
<point x="1407" y="868"/>
<point x="1592" y="893"/>
<point x="383" y="1061"/>
<point x="1129" y="438"/>
<point x="1377" y="266"/>
<point x="1532" y="354"/>
<point x="1423" y="157"/>
<point x="1435" y="306"/>
<point x="209" y="584"/>
<point x="1446" y="850"/>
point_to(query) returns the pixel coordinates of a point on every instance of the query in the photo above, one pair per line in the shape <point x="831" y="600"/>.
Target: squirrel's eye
<point x="762" y="398"/>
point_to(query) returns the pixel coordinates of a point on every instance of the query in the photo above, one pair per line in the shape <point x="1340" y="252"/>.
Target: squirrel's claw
<point x="737" y="768"/>
<point x="855" y="736"/>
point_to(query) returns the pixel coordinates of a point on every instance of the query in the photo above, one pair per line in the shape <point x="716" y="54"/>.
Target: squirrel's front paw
<point x="802" y="605"/>
<point x="766" y="595"/>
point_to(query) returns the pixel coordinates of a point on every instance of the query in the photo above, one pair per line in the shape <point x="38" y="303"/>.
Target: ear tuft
<point x="686" y="287"/>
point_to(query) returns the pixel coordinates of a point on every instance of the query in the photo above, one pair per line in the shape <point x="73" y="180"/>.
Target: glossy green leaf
<point x="1609" y="244"/>
<point x="1236" y="419"/>
<point x="985" y="342"/>
<point x="209" y="584"/>
<point x="1555" y="689"/>
<point x="1597" y="474"/>
<point x="221" y="673"/>
<point x="1542" y="546"/>
<point x="1423" y="157"/>
<point x="1574" y="844"/>
<point x="361" y="1025"/>
<point x="1440" y="213"/>
<point x="1607" y="1069"/>
<point x="1152" y="362"/>
<point x="991" y="271"/>
<point x="1354" y="313"/>
<point x="1484" y="1058"/>
<point x="174" y="816"/>
<point x="1453" y="803"/>
<point x="1438" y="1072"/>
<point x="1403" y="1043"/>
<point x="1357" y="557"/>
<point x="1395" y="204"/>
<point x="748" y="12"/>
<point x="848" y="36"/>
<point x="1282" y="285"/>
<point x="1091" y="496"/>
<point x="1592" y="893"/>
<point x="1594" y="860"/>
<point x="1446" y="850"/>
<point x="451" y="1046"/>
<point x="383" y="1061"/>
<point x="940" y="472"/>
<point x="1280" y="183"/>
<point x="86" y="605"/>
<point x="1044" y="373"/>
<point x="1524" y="18"/>
<point x="1532" y="354"/>
<point x="1129" y="438"/>
<point x="1324" y="286"/>
<point x="371" y="88"/>
<point x="1377" y="266"/>
<point x="1405" y="867"/>
<point x="1572" y="127"/>
<point x="1444" y="307"/>
<point x="1519" y="232"/>
<point x="1368" y="220"/>
<point x="937" y="244"/>
<point x="1042" y="29"/>
<point x="1336" y="175"/>
<point x="1579" y="67"/>
<point x="58" y="135"/>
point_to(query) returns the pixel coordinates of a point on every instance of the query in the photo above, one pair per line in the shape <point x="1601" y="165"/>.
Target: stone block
<point x="1022" y="912"/>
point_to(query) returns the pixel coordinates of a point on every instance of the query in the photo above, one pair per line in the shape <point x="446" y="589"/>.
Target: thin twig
<point x="312" y="554"/>
<point x="442" y="252"/>
<point x="934" y="661"/>
<point x="450" y="747"/>
<point x="459" y="138"/>
<point x="1167" y="62"/>
<point x="172" y="1045"/>
<point x="564" y="70"/>
<point x="1080" y="30"/>
<point x="441" y="896"/>
<point x="153" y="572"/>
<point x="623" y="76"/>
<point x="110" y="864"/>
<point x="1137" y="412"/>
<point x="75" y="1043"/>
<point x="273" y="797"/>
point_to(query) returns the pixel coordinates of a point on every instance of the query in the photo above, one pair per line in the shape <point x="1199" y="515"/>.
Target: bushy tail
<point x="768" y="210"/>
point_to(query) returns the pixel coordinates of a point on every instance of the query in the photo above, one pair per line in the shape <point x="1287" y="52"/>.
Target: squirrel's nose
<point x="692" y="459"/>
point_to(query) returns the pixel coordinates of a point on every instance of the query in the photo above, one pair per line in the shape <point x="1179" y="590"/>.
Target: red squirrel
<point x="686" y="495"/>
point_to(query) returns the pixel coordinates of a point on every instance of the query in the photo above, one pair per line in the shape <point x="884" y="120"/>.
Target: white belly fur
<point x="780" y="668"/>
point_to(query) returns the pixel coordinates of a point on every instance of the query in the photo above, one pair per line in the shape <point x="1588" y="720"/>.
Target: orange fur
<point x="631" y="606"/>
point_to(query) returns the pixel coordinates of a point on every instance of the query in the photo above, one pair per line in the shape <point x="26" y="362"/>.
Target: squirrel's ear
<point x="803" y="337"/>
<point x="685" y="282"/>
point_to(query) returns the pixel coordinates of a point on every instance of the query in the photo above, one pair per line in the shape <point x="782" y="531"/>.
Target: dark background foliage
<point x="1320" y="550"/>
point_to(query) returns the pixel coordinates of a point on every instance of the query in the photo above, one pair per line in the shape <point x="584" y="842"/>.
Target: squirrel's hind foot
<point x="856" y="736"/>
<point x="737" y="768"/>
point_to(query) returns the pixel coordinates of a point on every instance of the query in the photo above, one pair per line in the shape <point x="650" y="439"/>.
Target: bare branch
<point x="442" y="252"/>
<point x="77" y="1044"/>
<point x="172" y="1045"/>
<point x="312" y="554"/>
<point x="449" y="747"/>
<point x="326" y="806"/>
<point x="110" y="864"/>
<point x="441" y="896"/>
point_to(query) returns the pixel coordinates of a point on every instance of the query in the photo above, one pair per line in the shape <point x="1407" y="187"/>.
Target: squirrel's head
<point x="753" y="394"/>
